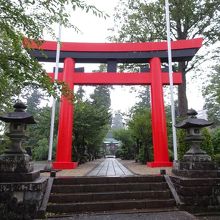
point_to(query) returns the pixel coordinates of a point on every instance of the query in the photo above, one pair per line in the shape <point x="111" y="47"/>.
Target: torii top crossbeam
<point x="182" y="50"/>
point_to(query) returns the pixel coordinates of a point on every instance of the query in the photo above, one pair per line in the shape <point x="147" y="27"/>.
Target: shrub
<point x="217" y="159"/>
<point x="127" y="146"/>
<point x="216" y="141"/>
<point x="206" y="144"/>
<point x="183" y="147"/>
<point x="40" y="152"/>
<point x="142" y="155"/>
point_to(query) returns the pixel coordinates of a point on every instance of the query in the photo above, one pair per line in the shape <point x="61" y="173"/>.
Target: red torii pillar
<point x="159" y="127"/>
<point x="64" y="142"/>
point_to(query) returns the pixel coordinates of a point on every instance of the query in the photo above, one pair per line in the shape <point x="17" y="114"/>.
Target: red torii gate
<point x="112" y="53"/>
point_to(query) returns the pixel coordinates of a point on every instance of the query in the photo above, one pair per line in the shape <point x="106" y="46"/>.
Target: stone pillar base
<point x="160" y="164"/>
<point x="64" y="165"/>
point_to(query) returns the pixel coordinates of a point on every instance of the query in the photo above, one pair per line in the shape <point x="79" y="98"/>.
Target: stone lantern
<point x="195" y="159"/>
<point x="194" y="137"/>
<point x="196" y="177"/>
<point x="15" y="160"/>
<point x="20" y="184"/>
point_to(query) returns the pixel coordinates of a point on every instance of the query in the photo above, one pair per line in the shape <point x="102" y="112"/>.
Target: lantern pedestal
<point x="17" y="168"/>
<point x="195" y="169"/>
<point x="20" y="163"/>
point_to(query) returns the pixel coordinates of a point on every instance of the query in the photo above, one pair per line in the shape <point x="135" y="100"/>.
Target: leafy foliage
<point x="142" y="20"/>
<point x="211" y="92"/>
<point x="216" y="141"/>
<point x="183" y="147"/>
<point x="40" y="151"/>
<point x="136" y="139"/>
<point x="38" y="135"/>
<point x="217" y="159"/>
<point x="206" y="144"/>
<point x="90" y="127"/>
<point x="91" y="124"/>
<point x="101" y="97"/>
<point x="31" y="19"/>
<point x="126" y="151"/>
<point x="140" y="126"/>
<point x="145" y="97"/>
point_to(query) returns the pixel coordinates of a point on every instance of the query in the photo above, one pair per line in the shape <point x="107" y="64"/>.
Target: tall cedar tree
<point x="144" y="20"/>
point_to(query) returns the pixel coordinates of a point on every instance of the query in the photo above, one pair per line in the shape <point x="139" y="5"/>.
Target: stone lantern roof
<point x="19" y="115"/>
<point x="193" y="121"/>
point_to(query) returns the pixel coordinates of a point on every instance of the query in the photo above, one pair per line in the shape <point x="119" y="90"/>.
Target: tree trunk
<point x="182" y="98"/>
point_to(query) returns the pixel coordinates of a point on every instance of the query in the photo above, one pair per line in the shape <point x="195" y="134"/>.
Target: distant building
<point x="111" y="145"/>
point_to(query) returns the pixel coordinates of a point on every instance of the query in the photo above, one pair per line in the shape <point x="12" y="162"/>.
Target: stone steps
<point x="108" y="187"/>
<point x="100" y="206"/>
<point x="103" y="196"/>
<point x="106" y="194"/>
<point x="103" y="180"/>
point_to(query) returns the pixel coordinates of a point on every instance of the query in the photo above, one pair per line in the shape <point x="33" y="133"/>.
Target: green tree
<point x="101" y="97"/>
<point x="34" y="97"/>
<point x="127" y="148"/>
<point x="38" y="134"/>
<point x="140" y="126"/>
<point x="80" y="93"/>
<point x="211" y="92"/>
<point x="216" y="145"/>
<point x="117" y="121"/>
<point x="142" y="20"/>
<point x="31" y="19"/>
<point x="91" y="124"/>
<point x="145" y="97"/>
<point x="136" y="138"/>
